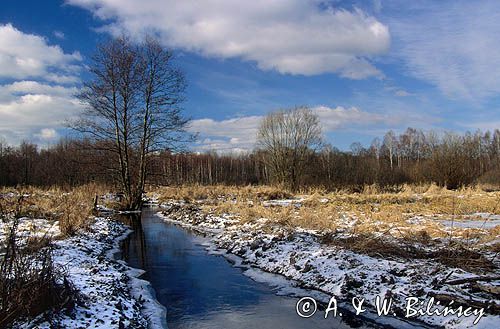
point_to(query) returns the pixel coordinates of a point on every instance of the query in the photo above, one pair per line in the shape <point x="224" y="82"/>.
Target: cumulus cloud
<point x="38" y="94"/>
<point x="453" y="45"/>
<point x="239" y="134"/>
<point x="290" y="36"/>
<point x="231" y="135"/>
<point x="26" y="115"/>
<point x="27" y="56"/>
<point x="12" y="91"/>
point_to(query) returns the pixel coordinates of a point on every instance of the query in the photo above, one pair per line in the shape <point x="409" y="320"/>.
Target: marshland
<point x="265" y="164"/>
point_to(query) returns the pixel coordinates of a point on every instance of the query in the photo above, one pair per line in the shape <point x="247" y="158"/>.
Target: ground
<point x="423" y="242"/>
<point x="108" y="293"/>
<point x="440" y="245"/>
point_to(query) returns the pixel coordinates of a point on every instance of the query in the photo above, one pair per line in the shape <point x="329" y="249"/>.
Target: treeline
<point x="414" y="156"/>
<point x="450" y="160"/>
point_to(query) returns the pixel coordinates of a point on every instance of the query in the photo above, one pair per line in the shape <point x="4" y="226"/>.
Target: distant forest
<point x="449" y="159"/>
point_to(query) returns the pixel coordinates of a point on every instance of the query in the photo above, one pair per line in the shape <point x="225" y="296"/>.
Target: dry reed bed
<point x="30" y="282"/>
<point x="71" y="208"/>
<point x="378" y="220"/>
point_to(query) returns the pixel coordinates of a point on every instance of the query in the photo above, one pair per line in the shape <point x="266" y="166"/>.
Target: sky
<point x="364" y="67"/>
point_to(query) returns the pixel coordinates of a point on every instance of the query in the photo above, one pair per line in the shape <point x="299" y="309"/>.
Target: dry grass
<point x="219" y="193"/>
<point x="30" y="282"/>
<point x="379" y="222"/>
<point x="71" y="208"/>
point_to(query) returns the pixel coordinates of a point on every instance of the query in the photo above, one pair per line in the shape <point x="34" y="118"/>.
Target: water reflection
<point x="138" y="248"/>
<point x="205" y="291"/>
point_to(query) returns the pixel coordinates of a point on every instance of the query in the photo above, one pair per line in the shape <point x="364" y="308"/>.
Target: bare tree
<point x="375" y="148"/>
<point x="451" y="160"/>
<point x="132" y="105"/>
<point x="288" y="137"/>
<point x="390" y="145"/>
<point x="495" y="143"/>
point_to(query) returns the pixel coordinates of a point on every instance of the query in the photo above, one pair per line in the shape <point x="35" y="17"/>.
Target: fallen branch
<point x="473" y="279"/>
<point x="490" y="289"/>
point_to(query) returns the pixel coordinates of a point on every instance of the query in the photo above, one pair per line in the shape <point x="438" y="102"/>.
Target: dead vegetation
<point x="455" y="255"/>
<point x="216" y="193"/>
<point x="71" y="209"/>
<point x="30" y="282"/>
<point x="402" y="224"/>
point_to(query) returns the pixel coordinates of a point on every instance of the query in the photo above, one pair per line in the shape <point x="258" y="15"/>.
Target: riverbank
<point x="394" y="246"/>
<point x="202" y="289"/>
<point x="316" y="261"/>
<point x="60" y="266"/>
<point x="108" y="292"/>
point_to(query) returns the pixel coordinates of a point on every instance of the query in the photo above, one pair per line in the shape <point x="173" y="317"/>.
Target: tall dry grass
<point x="72" y="208"/>
<point x="209" y="193"/>
<point x="404" y="223"/>
<point x="412" y="213"/>
<point x="30" y="282"/>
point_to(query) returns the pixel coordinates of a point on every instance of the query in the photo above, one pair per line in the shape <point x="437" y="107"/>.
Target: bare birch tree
<point x="390" y="145"/>
<point x="132" y="104"/>
<point x="288" y="137"/>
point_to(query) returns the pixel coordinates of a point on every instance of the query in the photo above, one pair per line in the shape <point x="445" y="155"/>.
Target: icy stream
<point x="204" y="290"/>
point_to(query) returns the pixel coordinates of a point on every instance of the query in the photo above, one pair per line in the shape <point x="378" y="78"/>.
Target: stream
<point x="203" y="290"/>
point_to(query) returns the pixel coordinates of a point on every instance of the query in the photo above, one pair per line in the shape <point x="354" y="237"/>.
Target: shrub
<point x="30" y="282"/>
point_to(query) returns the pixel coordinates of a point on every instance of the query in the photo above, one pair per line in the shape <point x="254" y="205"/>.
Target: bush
<point x="30" y="282"/>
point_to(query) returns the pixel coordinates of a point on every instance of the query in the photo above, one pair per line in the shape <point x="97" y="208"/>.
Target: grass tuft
<point x="30" y="282"/>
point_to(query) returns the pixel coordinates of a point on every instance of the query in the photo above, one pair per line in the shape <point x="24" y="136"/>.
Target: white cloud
<point x="47" y="134"/>
<point x="290" y="36"/>
<point x="231" y="135"/>
<point x="25" y="116"/>
<point x="9" y="92"/>
<point x="40" y="94"/>
<point x="59" y="35"/>
<point x="402" y="93"/>
<point x="29" y="56"/>
<point x="453" y="45"/>
<point x="340" y="117"/>
<point x="239" y="134"/>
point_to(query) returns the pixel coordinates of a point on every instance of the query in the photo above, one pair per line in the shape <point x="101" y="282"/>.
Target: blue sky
<point x="363" y="66"/>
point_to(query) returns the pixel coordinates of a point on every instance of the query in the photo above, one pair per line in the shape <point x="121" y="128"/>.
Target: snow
<point x="480" y="224"/>
<point x="110" y="293"/>
<point x="486" y="215"/>
<point x="283" y="203"/>
<point x="297" y="255"/>
<point x="31" y="228"/>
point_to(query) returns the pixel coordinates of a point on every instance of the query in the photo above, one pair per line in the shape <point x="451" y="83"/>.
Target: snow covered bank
<point x="303" y="256"/>
<point x="109" y="293"/>
<point x="28" y="227"/>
